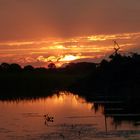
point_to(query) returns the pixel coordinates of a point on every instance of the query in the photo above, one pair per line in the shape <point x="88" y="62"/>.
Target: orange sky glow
<point x="38" y="32"/>
<point x="87" y="48"/>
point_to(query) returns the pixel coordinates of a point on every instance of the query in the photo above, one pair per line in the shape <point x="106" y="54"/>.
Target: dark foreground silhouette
<point x="120" y="75"/>
<point x="28" y="81"/>
<point x="113" y="84"/>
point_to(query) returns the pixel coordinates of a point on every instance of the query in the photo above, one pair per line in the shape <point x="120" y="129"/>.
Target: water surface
<point x="74" y="118"/>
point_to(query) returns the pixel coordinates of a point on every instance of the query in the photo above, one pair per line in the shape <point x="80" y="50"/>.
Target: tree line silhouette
<point x="116" y="79"/>
<point x="115" y="85"/>
<point x="118" y="75"/>
<point x="17" y="81"/>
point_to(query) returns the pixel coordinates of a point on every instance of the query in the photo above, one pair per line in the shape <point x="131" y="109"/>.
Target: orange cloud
<point x="67" y="50"/>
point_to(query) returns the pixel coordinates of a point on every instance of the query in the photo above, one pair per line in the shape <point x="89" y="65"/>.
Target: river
<point x="73" y="118"/>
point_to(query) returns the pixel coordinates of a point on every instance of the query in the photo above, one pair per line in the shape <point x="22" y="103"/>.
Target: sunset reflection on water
<point x="72" y="115"/>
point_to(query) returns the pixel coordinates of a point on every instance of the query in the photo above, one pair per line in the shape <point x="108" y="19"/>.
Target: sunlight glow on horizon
<point x="69" y="58"/>
<point x="86" y="48"/>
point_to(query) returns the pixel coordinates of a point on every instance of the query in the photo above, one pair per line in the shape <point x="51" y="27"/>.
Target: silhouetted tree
<point x="4" y="66"/>
<point x="51" y="66"/>
<point x="15" y="68"/>
<point x="104" y="63"/>
<point x="28" y="68"/>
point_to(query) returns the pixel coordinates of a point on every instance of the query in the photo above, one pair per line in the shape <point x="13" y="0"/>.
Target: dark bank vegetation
<point x="113" y="83"/>
<point x="16" y="81"/>
<point x="119" y="75"/>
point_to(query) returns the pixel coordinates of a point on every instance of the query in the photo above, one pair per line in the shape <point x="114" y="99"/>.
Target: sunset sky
<point x="38" y="32"/>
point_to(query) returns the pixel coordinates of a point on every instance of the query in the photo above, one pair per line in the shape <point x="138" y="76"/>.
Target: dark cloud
<point x="34" y="19"/>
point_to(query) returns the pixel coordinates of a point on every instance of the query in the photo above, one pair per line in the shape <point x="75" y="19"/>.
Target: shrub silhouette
<point x="28" y="68"/>
<point x="14" y="68"/>
<point x="4" y="67"/>
<point x="51" y="66"/>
